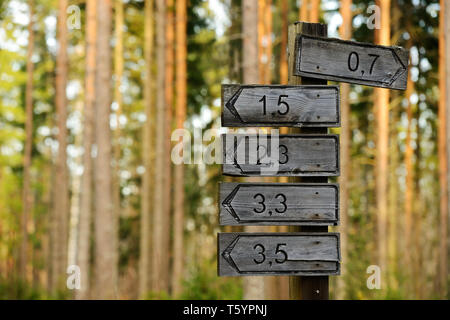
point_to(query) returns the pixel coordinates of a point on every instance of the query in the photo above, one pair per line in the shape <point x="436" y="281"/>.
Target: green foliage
<point x="204" y="284"/>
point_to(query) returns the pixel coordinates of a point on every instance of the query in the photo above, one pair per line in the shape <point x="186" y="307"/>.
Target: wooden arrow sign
<point x="244" y="254"/>
<point x="350" y="61"/>
<point x="279" y="204"/>
<point x="282" y="106"/>
<point x="284" y="155"/>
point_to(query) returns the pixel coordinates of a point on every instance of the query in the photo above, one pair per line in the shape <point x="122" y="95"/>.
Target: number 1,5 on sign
<point x="275" y="105"/>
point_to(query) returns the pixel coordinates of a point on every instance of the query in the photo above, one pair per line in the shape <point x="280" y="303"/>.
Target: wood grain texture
<point x="298" y="155"/>
<point x="279" y="204"/>
<point x="312" y="254"/>
<point x="350" y="61"/>
<point x="279" y="105"/>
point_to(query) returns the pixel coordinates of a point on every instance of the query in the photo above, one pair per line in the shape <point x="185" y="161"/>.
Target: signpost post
<point x="308" y="254"/>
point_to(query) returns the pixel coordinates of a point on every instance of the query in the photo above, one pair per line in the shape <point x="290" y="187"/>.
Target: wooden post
<point x="307" y="287"/>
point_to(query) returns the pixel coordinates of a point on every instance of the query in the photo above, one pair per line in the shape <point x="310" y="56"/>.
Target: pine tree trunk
<point x="169" y="90"/>
<point x="442" y="151"/>
<point x="181" y="82"/>
<point x="314" y="11"/>
<point x="105" y="233"/>
<point x="27" y="199"/>
<point x="158" y="255"/>
<point x="447" y="104"/>
<point x="118" y="70"/>
<point x="253" y="286"/>
<point x="304" y="10"/>
<point x="409" y="185"/>
<point x="284" y="38"/>
<point x="344" y="179"/>
<point x="85" y="223"/>
<point x="382" y="116"/>
<point x="60" y="213"/>
<point x="148" y="158"/>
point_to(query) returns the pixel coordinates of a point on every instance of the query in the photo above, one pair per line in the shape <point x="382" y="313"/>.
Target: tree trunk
<point x="253" y="286"/>
<point x="314" y="11"/>
<point x="409" y="185"/>
<point x="60" y="188"/>
<point x="169" y="90"/>
<point x="181" y="82"/>
<point x="442" y="151"/>
<point x="284" y="38"/>
<point x="303" y="10"/>
<point x="148" y="158"/>
<point x="105" y="233"/>
<point x="344" y="179"/>
<point x="27" y="198"/>
<point x="118" y="70"/>
<point x="85" y="223"/>
<point x="447" y="104"/>
<point x="158" y="255"/>
<point x="382" y="116"/>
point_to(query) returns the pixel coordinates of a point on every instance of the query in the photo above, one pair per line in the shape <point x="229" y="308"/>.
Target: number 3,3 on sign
<point x="312" y="204"/>
<point x="350" y="61"/>
<point x="311" y="254"/>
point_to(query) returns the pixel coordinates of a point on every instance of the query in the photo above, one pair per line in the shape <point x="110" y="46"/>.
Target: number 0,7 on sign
<point x="243" y="254"/>
<point x="350" y="61"/>
<point x="275" y="105"/>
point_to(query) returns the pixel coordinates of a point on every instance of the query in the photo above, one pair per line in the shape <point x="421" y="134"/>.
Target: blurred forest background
<point x="90" y="91"/>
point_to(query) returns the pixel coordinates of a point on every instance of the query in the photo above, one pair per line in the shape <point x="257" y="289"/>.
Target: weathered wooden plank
<point x="312" y="254"/>
<point x="279" y="204"/>
<point x="283" y="155"/>
<point x="278" y="105"/>
<point x="350" y="61"/>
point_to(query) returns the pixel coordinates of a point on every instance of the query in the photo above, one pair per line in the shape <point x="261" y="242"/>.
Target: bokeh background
<point x="91" y="90"/>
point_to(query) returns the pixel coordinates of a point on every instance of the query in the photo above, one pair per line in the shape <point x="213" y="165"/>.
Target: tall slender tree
<point x="169" y="93"/>
<point x="181" y="95"/>
<point x="60" y="213"/>
<point x="442" y="151"/>
<point x="84" y="233"/>
<point x="314" y="11"/>
<point x="382" y="116"/>
<point x="446" y="10"/>
<point x="253" y="286"/>
<point x="158" y="255"/>
<point x="105" y="232"/>
<point x="27" y="198"/>
<point x="304" y="10"/>
<point x="284" y="38"/>
<point x="148" y="143"/>
<point x="346" y="34"/>
<point x="118" y="73"/>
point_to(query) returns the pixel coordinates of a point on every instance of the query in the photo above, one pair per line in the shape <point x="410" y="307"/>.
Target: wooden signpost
<point x="275" y="105"/>
<point x="312" y="254"/>
<point x="298" y="155"/>
<point x="309" y="254"/>
<point x="279" y="204"/>
<point x="350" y="61"/>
